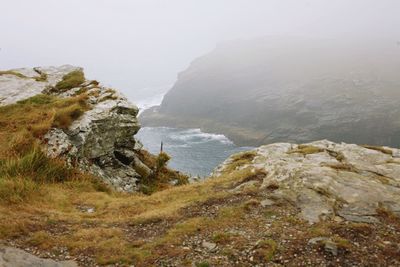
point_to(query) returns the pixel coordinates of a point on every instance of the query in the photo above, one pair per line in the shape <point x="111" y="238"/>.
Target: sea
<point x="192" y="151"/>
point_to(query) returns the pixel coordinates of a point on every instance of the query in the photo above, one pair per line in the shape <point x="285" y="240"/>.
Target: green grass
<point x="70" y="80"/>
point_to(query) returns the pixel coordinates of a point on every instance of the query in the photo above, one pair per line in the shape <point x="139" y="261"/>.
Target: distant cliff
<point x="289" y="89"/>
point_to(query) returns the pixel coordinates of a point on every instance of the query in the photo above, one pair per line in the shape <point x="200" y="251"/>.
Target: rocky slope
<point x="326" y="180"/>
<point x="100" y="141"/>
<point x="289" y="90"/>
<point x="315" y="204"/>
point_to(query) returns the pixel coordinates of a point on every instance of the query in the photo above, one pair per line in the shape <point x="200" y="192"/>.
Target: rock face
<point x="12" y="257"/>
<point x="326" y="179"/>
<point x="101" y="141"/>
<point x="289" y="90"/>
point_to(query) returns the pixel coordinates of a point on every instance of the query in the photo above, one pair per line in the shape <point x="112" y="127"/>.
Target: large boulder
<point x="328" y="180"/>
<point x="101" y="141"/>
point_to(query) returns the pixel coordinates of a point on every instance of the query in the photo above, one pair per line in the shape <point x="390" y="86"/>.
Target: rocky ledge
<point x="100" y="141"/>
<point x="326" y="180"/>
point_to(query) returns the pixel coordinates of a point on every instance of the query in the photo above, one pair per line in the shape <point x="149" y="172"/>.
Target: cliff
<point x="96" y="134"/>
<point x="289" y="90"/>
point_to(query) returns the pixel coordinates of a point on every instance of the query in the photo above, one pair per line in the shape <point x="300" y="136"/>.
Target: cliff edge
<point x="97" y="135"/>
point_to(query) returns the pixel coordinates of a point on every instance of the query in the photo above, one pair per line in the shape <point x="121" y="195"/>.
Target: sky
<point x="139" y="46"/>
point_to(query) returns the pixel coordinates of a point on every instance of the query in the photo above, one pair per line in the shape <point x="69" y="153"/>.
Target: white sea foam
<point x="197" y="136"/>
<point x="149" y="102"/>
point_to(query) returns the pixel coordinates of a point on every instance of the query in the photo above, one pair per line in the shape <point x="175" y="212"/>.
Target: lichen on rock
<point x="346" y="180"/>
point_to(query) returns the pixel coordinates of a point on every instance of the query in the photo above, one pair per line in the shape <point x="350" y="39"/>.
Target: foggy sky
<point x="138" y="44"/>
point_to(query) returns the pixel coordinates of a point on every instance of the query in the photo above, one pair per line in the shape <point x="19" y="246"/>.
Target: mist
<point x="139" y="47"/>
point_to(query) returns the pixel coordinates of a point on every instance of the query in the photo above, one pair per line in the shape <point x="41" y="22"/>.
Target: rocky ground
<point x="279" y="205"/>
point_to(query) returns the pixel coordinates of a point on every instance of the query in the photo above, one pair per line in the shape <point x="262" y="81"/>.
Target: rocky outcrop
<point x="327" y="180"/>
<point x="100" y="141"/>
<point x="12" y="257"/>
<point x="289" y="90"/>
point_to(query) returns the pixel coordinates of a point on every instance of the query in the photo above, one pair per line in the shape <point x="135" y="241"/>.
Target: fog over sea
<point x="193" y="152"/>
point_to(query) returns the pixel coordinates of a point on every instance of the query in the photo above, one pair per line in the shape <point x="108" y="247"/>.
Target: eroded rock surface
<point x="12" y="257"/>
<point x="101" y="141"/>
<point x="326" y="179"/>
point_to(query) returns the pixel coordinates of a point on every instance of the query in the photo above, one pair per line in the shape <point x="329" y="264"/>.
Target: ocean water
<point x="193" y="152"/>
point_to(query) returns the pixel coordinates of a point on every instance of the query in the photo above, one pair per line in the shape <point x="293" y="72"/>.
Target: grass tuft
<point x="70" y="80"/>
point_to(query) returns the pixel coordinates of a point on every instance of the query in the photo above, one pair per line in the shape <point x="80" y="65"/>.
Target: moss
<point x="70" y="80"/>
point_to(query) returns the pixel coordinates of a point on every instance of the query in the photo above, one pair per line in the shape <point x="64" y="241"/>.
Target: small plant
<point x="70" y="80"/>
<point x="265" y="250"/>
<point x="162" y="160"/>
<point x="42" y="75"/>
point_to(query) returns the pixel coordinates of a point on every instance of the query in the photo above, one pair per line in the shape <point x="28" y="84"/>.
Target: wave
<point x="197" y="136"/>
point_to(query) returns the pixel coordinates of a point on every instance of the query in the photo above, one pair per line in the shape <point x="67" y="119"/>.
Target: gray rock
<point x="208" y="245"/>
<point x="317" y="240"/>
<point x="12" y="257"/>
<point x="331" y="247"/>
<point x="267" y="202"/>
<point x="329" y="179"/>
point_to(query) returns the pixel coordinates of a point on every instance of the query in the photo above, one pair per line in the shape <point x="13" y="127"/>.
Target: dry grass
<point x="306" y="150"/>
<point x="24" y="168"/>
<point x="11" y="72"/>
<point x="240" y="160"/>
<point x="162" y="176"/>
